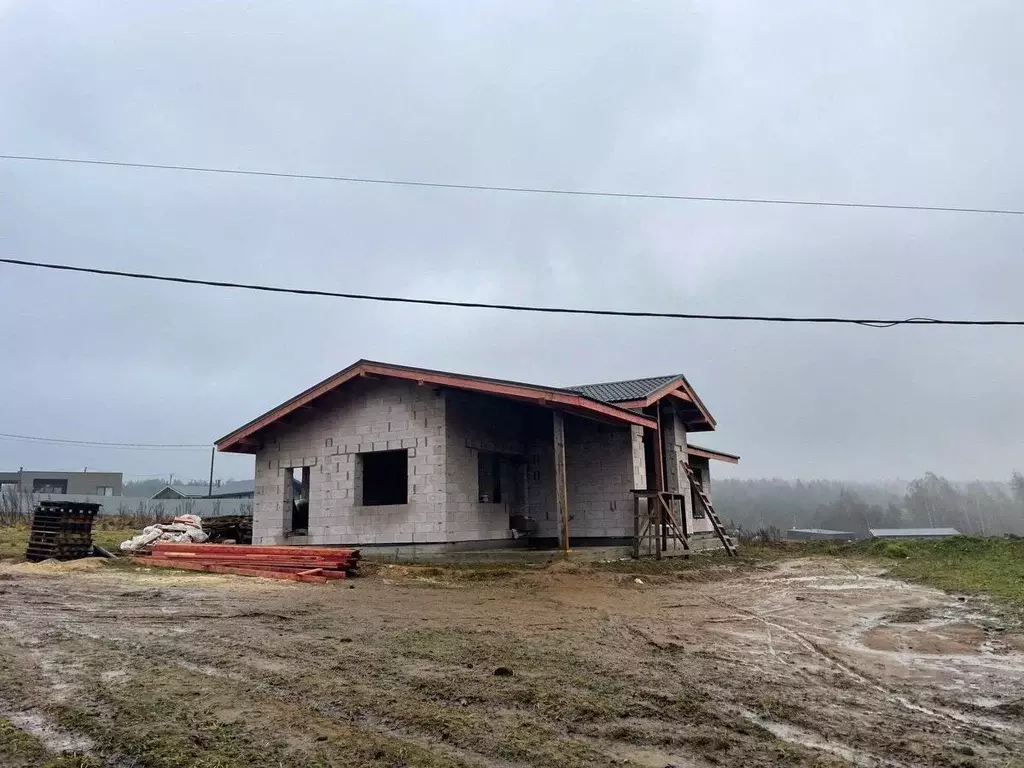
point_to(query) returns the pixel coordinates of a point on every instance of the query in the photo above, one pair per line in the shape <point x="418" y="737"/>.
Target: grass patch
<point x="176" y="719"/>
<point x="970" y="564"/>
<point x="912" y="615"/>
<point x="18" y="748"/>
<point x="14" y="539"/>
<point x="964" y="564"/>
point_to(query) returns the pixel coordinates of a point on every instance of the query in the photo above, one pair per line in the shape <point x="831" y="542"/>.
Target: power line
<point x="518" y="190"/>
<point x="874" y="323"/>
<point x="97" y="444"/>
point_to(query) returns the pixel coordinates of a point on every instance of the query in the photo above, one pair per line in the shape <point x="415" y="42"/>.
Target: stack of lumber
<point x="61" y="530"/>
<point x="311" y="564"/>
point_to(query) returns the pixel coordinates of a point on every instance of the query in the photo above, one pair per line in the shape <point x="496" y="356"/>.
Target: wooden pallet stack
<point x="316" y="565"/>
<point x="61" y="530"/>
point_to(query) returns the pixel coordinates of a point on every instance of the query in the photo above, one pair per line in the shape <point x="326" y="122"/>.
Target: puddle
<point x="51" y="737"/>
<point x="804" y="738"/>
<point x="115" y="676"/>
<point x="986" y="702"/>
<point x="205" y="669"/>
<point x="652" y="758"/>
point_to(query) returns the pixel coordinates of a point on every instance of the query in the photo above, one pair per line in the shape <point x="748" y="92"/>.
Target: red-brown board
<point x="258" y="549"/>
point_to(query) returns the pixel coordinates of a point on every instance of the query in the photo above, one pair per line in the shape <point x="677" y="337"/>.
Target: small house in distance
<point x="912" y="533"/>
<point x="241" y="489"/>
<point x="392" y="455"/>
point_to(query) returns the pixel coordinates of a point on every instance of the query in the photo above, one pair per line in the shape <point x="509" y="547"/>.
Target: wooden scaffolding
<point x="659" y="523"/>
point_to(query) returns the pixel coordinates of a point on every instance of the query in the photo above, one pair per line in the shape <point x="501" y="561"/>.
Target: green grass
<point x="14" y="539"/>
<point x="959" y="564"/>
<point x="19" y="749"/>
<point x="970" y="564"/>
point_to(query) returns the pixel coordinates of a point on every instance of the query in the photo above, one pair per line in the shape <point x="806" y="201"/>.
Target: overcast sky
<point x="910" y="102"/>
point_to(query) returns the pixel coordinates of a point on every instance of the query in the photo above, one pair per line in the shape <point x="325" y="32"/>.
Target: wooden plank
<point x="231" y="570"/>
<point x="247" y="549"/>
<point x="315" y="560"/>
<point x="659" y="457"/>
<point x="274" y="565"/>
<point x="636" y="526"/>
<point x="677" y="533"/>
<point x="561" y="485"/>
<point x="659" y="470"/>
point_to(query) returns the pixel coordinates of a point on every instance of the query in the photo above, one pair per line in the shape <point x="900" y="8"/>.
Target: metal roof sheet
<point x="912" y="532"/>
<point x="820" y="530"/>
<point x="621" y="391"/>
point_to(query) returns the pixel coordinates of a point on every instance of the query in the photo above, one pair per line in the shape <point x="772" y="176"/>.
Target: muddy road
<point x="802" y="662"/>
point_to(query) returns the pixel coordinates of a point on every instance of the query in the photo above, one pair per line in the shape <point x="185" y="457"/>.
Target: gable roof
<point x="620" y="391"/>
<point x="640" y="393"/>
<point x="568" y="400"/>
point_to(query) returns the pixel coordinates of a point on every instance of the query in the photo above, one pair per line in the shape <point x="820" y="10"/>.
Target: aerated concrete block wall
<point x="674" y="436"/>
<point x="599" y="473"/>
<point x="601" y="467"/>
<point x="442" y="433"/>
<point x="366" y="416"/>
<point x="478" y="423"/>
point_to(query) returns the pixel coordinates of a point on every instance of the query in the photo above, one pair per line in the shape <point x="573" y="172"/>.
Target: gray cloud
<point x="912" y="104"/>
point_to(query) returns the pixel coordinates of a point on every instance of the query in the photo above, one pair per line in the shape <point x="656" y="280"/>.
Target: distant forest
<point x="984" y="508"/>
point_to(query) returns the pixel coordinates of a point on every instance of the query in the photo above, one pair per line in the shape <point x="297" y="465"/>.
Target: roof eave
<point x="237" y="441"/>
<point x="708" y="453"/>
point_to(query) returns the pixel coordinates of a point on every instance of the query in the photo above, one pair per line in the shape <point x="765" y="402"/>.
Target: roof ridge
<point x="667" y="377"/>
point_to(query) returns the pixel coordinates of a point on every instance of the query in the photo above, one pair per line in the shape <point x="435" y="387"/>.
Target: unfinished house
<point x="382" y="454"/>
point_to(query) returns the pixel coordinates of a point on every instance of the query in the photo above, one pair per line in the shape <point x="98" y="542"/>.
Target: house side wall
<point x="600" y="474"/>
<point x="79" y="483"/>
<point x="674" y="445"/>
<point x="365" y="416"/>
<point x="478" y="423"/>
<point x="638" y="468"/>
<point x="540" y="473"/>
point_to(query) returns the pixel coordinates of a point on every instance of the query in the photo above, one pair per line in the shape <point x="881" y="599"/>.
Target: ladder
<point x="716" y="522"/>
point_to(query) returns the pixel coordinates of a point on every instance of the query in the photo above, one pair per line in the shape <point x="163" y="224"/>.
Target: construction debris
<point x="61" y="530"/>
<point x="186" y="528"/>
<point x="316" y="565"/>
<point x="229" y="529"/>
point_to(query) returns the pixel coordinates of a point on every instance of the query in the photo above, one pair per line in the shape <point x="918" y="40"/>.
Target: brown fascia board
<point x="707" y="453"/>
<point x="672" y="389"/>
<point x="234" y="441"/>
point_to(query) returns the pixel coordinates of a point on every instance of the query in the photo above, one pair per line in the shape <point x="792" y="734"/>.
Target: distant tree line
<point x="984" y="508"/>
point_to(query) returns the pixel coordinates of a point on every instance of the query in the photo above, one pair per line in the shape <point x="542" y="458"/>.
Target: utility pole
<point x="213" y="453"/>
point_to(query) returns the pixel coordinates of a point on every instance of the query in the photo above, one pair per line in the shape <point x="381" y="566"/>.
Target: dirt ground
<point x="814" y="661"/>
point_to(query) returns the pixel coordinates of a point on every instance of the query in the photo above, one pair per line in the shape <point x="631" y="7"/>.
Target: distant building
<point x="242" y="489"/>
<point x="912" y="533"/>
<point x="77" y="483"/>
<point x="819" y="534"/>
